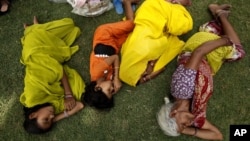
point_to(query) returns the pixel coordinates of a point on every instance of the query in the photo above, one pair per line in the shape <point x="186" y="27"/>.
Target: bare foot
<point x="25" y="25"/>
<point x="218" y="10"/>
<point x="35" y="21"/>
<point x="4" y="5"/>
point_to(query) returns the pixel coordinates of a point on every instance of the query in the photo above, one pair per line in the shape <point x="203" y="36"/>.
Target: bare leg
<point x="229" y="30"/>
<point x="230" y="34"/>
<point x="221" y="12"/>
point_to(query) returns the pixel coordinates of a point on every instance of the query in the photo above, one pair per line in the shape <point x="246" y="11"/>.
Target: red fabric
<point x="203" y="91"/>
<point x="114" y="35"/>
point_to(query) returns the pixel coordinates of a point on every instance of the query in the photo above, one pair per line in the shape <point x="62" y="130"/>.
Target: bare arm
<point x="129" y="13"/>
<point x="69" y="100"/>
<point x="115" y="61"/>
<point x="208" y="132"/>
<point x="203" y="50"/>
<point x="73" y="111"/>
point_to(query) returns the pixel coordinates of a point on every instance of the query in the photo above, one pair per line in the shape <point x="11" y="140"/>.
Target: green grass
<point x="134" y="115"/>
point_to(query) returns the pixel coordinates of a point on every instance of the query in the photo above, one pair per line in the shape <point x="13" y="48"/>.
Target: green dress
<point x="45" y="48"/>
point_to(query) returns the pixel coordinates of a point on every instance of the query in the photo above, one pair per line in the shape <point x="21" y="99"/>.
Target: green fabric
<point x="45" y="48"/>
<point x="214" y="58"/>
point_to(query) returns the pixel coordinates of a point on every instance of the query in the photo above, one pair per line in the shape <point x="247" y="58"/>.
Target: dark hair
<point x="30" y="125"/>
<point x="97" y="98"/>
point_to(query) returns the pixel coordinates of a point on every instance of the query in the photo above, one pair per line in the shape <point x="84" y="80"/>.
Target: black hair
<point x="104" y="49"/>
<point x="31" y="125"/>
<point x="97" y="98"/>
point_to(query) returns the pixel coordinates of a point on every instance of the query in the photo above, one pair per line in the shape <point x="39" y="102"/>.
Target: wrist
<point x="68" y="95"/>
<point x="66" y="114"/>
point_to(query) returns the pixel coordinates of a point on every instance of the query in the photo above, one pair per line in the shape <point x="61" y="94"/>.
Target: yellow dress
<point x="45" y="48"/>
<point x="158" y="24"/>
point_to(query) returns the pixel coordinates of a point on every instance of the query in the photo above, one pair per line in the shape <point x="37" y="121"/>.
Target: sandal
<point x="118" y="6"/>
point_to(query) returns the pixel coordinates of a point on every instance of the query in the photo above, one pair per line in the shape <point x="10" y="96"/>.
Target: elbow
<point x="218" y="136"/>
<point x="199" y="52"/>
<point x="80" y="106"/>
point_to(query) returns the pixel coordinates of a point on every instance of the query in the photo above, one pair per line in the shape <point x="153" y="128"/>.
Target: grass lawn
<point x="134" y="116"/>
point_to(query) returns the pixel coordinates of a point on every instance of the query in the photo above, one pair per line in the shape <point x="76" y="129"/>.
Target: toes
<point x="25" y="25"/>
<point x="213" y="8"/>
<point x="225" y="6"/>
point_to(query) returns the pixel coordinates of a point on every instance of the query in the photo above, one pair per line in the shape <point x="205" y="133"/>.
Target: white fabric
<point x="90" y="8"/>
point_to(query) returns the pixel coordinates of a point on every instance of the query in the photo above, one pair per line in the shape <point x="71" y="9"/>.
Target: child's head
<point x="172" y="120"/>
<point x="167" y="123"/>
<point x="99" y="95"/>
<point x="39" y="119"/>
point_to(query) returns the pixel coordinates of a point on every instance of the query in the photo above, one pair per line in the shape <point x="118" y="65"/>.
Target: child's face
<point x="107" y="88"/>
<point x="183" y="119"/>
<point x="44" y="116"/>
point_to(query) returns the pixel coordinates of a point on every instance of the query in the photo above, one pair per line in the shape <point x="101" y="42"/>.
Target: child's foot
<point x="218" y="10"/>
<point x="35" y="21"/>
<point x="4" y="6"/>
<point x="25" y="25"/>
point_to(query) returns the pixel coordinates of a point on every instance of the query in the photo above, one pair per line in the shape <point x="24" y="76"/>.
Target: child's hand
<point x="69" y="103"/>
<point x="117" y="85"/>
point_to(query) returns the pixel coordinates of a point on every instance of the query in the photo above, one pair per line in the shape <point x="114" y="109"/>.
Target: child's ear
<point x="172" y="113"/>
<point x="32" y="115"/>
<point x="97" y="88"/>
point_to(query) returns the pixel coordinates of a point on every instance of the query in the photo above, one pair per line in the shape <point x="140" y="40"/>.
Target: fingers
<point x="70" y="104"/>
<point x="116" y="89"/>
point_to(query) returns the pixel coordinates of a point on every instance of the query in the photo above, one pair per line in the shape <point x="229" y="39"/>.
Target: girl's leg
<point x="228" y="29"/>
<point x="221" y="12"/>
<point x="129" y="13"/>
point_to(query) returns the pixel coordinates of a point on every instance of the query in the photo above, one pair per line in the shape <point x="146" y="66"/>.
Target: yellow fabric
<point x="214" y="58"/>
<point x="45" y="48"/>
<point x="157" y="25"/>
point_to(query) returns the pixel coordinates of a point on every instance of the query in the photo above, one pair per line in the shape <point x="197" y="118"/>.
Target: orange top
<point x="111" y="34"/>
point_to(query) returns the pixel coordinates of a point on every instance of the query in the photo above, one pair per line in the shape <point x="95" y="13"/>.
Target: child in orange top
<point x="104" y="59"/>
